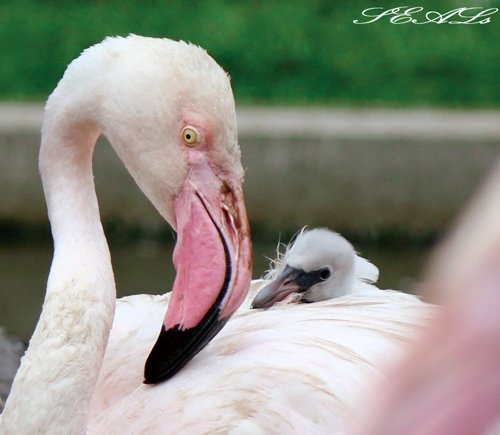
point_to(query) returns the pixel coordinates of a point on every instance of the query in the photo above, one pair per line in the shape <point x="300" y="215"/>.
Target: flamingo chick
<point x="319" y="264"/>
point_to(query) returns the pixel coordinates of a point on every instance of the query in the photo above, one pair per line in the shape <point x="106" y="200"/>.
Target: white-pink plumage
<point x="293" y="369"/>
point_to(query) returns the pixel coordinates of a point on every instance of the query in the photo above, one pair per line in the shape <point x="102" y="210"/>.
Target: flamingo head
<point x="167" y="109"/>
<point x="319" y="264"/>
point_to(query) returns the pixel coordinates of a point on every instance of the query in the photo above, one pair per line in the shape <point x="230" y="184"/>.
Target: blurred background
<point x="381" y="131"/>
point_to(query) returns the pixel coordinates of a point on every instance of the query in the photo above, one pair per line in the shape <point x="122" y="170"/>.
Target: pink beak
<point x="213" y="262"/>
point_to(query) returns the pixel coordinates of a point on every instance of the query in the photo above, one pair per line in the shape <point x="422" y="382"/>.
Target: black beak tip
<point x="175" y="347"/>
<point x="160" y="364"/>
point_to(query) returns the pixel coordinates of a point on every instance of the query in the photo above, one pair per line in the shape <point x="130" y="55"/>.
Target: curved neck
<point x="54" y="385"/>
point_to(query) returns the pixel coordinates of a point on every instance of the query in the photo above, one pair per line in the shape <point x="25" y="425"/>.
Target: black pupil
<point x="324" y="273"/>
<point x="188" y="136"/>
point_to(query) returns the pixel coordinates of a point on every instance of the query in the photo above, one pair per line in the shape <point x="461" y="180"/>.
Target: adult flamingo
<point x="168" y="111"/>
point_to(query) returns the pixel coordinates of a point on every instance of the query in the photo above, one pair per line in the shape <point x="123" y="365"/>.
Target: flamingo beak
<point x="213" y="262"/>
<point x="290" y="281"/>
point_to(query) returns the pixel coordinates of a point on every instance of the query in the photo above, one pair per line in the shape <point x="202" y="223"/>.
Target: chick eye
<point x="190" y="136"/>
<point x="324" y="273"/>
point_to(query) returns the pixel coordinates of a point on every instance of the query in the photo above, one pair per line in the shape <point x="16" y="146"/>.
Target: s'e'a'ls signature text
<point x="417" y="15"/>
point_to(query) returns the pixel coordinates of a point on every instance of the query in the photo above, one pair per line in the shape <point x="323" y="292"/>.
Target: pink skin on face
<point x="241" y="252"/>
<point x="210" y="219"/>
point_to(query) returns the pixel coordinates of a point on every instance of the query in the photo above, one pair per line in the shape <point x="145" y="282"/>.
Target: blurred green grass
<point x="277" y="52"/>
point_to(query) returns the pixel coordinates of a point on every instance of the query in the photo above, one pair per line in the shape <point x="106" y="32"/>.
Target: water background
<point x="146" y="267"/>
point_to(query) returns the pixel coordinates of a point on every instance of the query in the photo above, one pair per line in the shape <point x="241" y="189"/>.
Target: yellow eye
<point x="190" y="136"/>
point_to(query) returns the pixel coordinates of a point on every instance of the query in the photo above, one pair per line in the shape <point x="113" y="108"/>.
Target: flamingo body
<point x="168" y="111"/>
<point x="290" y="369"/>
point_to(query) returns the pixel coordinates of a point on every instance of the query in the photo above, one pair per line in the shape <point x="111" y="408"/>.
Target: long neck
<point x="54" y="385"/>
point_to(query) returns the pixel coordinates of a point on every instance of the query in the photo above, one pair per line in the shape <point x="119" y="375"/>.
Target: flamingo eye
<point x="324" y="273"/>
<point x="190" y="136"/>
